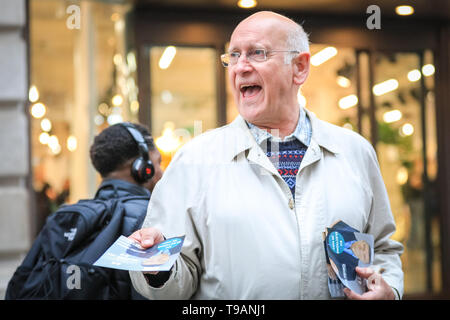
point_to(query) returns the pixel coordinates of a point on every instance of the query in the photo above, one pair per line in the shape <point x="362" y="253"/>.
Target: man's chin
<point x="250" y="113"/>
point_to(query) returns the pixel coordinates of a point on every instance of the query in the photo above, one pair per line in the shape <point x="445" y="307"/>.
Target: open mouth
<point x="250" y="90"/>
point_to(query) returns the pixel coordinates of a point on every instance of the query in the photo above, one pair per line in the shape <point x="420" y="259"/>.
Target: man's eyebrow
<point x="250" y="47"/>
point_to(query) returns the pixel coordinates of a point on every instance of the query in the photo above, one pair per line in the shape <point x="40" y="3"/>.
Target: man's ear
<point x="301" y="67"/>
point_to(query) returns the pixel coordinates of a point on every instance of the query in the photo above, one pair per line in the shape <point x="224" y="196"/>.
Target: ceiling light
<point x="167" y="57"/>
<point x="246" y="4"/>
<point x="404" y="10"/>
<point x="117" y="100"/>
<point x="385" y="87"/>
<point x="46" y="125"/>
<point x="343" y="82"/>
<point x="114" y="118"/>
<point x="53" y="141"/>
<point x="44" y="138"/>
<point x="428" y="70"/>
<point x="168" y="142"/>
<point x="323" y="55"/>
<point x="414" y="75"/>
<point x="348" y="102"/>
<point x="38" y="110"/>
<point x="56" y="150"/>
<point x="33" y="94"/>
<point x="402" y="175"/>
<point x="392" y="116"/>
<point x="72" y="143"/>
<point x="407" y="129"/>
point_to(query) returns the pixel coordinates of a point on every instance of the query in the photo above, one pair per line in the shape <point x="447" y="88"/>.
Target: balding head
<point x="291" y="32"/>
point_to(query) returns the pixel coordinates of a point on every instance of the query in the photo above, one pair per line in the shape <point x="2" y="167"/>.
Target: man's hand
<point x="378" y="288"/>
<point x="147" y="237"/>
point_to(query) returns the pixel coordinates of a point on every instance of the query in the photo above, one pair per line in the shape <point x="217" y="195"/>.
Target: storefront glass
<point x="406" y="148"/>
<point x="183" y="95"/>
<point x="82" y="80"/>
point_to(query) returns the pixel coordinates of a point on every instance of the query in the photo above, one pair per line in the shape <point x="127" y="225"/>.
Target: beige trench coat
<point x="246" y="237"/>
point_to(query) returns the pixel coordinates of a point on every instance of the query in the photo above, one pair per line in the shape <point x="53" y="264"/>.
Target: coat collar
<point x="243" y="140"/>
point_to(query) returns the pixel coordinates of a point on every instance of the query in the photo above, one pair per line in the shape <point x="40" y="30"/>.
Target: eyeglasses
<point x="257" y="55"/>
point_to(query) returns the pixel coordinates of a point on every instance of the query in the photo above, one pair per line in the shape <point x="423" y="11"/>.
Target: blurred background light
<point x="38" y="110"/>
<point x="46" y="125"/>
<point x="414" y="75"/>
<point x="323" y="55"/>
<point x="392" y="116"/>
<point x="428" y="70"/>
<point x="246" y="4"/>
<point x="404" y="10"/>
<point x="33" y="94"/>
<point x="348" y="102"/>
<point x="167" y="57"/>
<point x="385" y="87"/>
<point x="72" y="143"/>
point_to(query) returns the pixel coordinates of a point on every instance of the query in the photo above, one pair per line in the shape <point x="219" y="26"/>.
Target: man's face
<point x="263" y="91"/>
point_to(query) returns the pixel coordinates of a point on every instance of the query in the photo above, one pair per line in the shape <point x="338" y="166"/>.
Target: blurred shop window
<point x="183" y="95"/>
<point x="407" y="152"/>
<point x="81" y="80"/>
<point x="330" y="90"/>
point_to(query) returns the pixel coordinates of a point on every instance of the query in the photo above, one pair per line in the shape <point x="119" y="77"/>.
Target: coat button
<point x="291" y="203"/>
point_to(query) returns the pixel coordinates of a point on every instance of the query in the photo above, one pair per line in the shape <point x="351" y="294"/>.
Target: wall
<point x="14" y="140"/>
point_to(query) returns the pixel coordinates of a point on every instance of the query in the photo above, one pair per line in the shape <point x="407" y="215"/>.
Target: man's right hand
<point x="147" y="237"/>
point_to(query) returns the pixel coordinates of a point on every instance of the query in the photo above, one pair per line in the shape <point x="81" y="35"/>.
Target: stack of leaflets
<point x="125" y="254"/>
<point x="345" y="249"/>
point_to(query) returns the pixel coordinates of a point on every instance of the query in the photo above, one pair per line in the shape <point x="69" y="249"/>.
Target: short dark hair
<point x="115" y="145"/>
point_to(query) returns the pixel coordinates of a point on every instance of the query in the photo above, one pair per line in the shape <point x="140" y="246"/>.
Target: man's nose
<point x="243" y="64"/>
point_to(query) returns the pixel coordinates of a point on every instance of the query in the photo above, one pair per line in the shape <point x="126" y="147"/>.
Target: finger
<point x="374" y="281"/>
<point x="151" y="272"/>
<point x="136" y="236"/>
<point x="352" y="295"/>
<point x="364" y="273"/>
<point x="150" y="237"/>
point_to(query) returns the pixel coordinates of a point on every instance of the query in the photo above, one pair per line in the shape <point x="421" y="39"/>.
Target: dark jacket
<point x="135" y="209"/>
<point x="135" y="212"/>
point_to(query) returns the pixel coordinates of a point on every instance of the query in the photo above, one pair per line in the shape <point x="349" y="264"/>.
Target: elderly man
<point x="253" y="197"/>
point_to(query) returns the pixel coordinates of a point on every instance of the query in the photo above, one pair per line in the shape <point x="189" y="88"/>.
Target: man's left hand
<point x="378" y="288"/>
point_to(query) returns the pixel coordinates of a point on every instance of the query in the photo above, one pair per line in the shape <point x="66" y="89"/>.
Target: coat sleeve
<point x="171" y="210"/>
<point x="382" y="226"/>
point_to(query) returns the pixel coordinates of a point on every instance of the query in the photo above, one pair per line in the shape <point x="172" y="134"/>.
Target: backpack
<point x="59" y="263"/>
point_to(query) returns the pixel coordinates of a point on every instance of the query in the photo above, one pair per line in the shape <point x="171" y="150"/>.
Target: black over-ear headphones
<point x="142" y="168"/>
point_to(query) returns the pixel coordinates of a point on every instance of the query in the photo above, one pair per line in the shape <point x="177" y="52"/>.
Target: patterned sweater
<point x="287" y="154"/>
<point x="287" y="160"/>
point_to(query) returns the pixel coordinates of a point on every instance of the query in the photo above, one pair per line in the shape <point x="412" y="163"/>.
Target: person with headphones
<point x="76" y="234"/>
<point x="128" y="161"/>
<point x="127" y="152"/>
